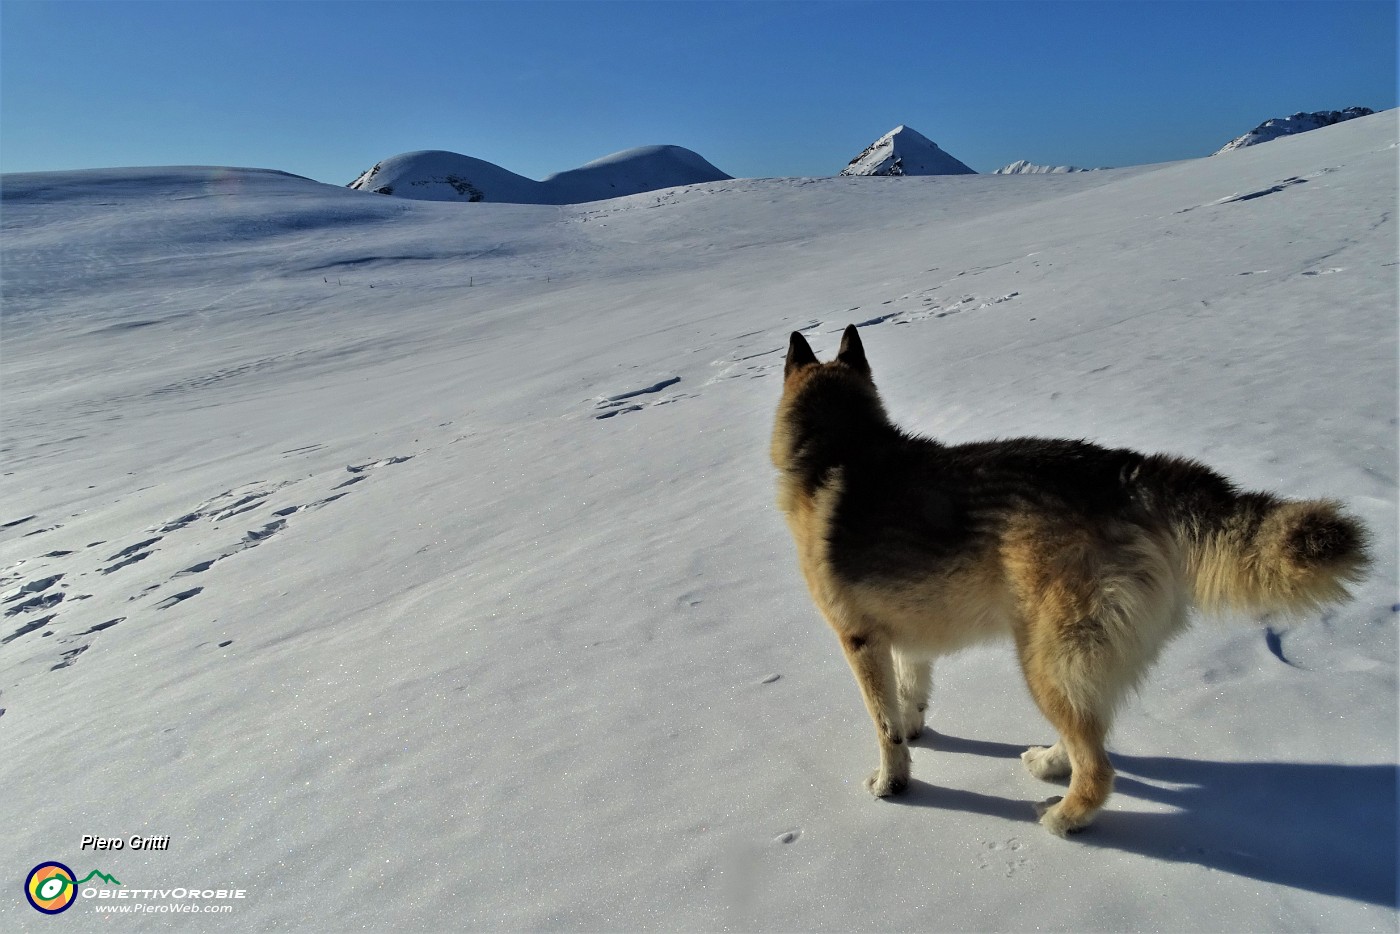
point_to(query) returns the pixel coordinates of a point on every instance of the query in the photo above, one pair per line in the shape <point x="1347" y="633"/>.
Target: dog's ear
<point x="852" y="353"/>
<point x="799" y="354"/>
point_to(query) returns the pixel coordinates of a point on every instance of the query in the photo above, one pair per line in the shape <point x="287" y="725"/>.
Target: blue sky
<point x="760" y="89"/>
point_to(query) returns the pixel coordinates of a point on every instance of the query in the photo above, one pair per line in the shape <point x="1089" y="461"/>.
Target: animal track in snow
<point x="1004" y="856"/>
<point x="745" y="364"/>
<point x="747" y="361"/>
<point x="930" y="307"/>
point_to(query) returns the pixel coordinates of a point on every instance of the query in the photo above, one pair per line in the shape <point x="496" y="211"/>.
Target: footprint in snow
<point x="1004" y="856"/>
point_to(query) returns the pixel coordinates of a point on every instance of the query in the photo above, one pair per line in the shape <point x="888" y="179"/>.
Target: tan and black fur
<point x="1088" y="558"/>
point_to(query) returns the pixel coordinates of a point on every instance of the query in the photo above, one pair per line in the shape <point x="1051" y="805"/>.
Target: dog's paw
<point x="1048" y="764"/>
<point x="1054" y="819"/>
<point x="913" y="726"/>
<point x="883" y="785"/>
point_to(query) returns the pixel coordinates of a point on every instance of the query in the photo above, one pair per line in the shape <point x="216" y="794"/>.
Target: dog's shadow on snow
<point x="1325" y="828"/>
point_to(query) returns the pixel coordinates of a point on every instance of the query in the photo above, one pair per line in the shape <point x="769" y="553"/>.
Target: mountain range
<point x="438" y="175"/>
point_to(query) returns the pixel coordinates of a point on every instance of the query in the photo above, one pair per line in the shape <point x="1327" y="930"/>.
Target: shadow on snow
<point x="1324" y="828"/>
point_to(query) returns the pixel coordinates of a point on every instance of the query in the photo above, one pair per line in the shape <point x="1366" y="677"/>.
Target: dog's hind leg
<point x="1082" y="733"/>
<point x="913" y="675"/>
<point x="872" y="661"/>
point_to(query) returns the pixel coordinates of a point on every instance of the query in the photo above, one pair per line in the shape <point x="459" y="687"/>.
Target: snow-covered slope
<point x="1022" y="167"/>
<point x="1272" y="129"/>
<point x="433" y="175"/>
<point x="905" y="151"/>
<point x="414" y="566"/>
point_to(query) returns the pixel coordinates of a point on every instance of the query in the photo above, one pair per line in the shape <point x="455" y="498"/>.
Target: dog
<point x="1088" y="558"/>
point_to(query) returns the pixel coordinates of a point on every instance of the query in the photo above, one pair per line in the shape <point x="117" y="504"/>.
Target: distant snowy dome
<point x="1022" y="167"/>
<point x="436" y="175"/>
<point x="630" y="172"/>
<point x="905" y="151"/>
<point x="1271" y="130"/>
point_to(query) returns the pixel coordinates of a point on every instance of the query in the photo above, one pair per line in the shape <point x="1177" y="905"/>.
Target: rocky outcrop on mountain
<point x="1271" y="130"/>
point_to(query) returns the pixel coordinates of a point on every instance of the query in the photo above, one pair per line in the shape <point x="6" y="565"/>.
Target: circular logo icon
<point x="50" y="888"/>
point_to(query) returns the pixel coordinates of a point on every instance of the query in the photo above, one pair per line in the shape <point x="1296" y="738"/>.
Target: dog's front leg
<point x="873" y="664"/>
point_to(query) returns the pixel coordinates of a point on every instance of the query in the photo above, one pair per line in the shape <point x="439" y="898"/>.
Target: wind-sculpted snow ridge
<point x="1270" y="130"/>
<point x="436" y="175"/>
<point x="905" y="151"/>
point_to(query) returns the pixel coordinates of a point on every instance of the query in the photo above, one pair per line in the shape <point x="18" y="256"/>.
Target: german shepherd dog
<point x="1089" y="558"/>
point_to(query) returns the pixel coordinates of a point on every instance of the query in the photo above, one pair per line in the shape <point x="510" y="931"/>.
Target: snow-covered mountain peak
<point x="1022" y="167"/>
<point x="1271" y="130"/>
<point x="905" y="151"/>
<point x="630" y="172"/>
<point x="436" y="175"/>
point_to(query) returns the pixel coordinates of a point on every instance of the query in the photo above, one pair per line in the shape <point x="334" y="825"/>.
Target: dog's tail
<point x="1264" y="554"/>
